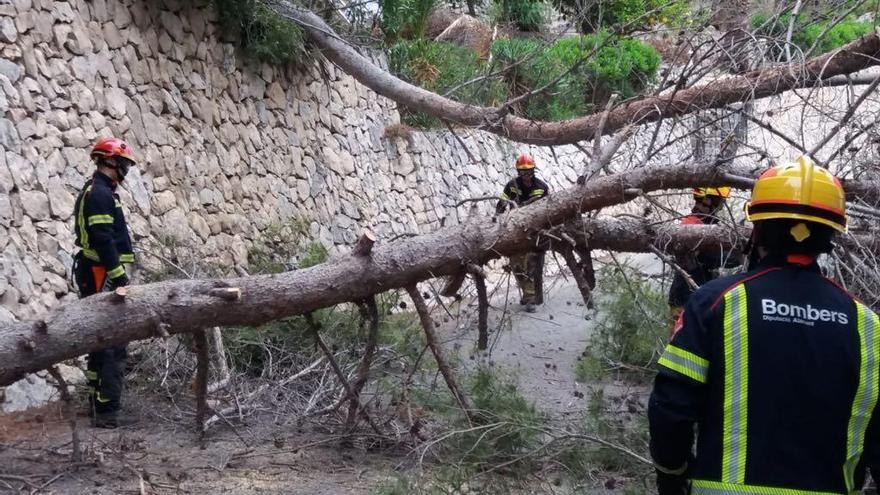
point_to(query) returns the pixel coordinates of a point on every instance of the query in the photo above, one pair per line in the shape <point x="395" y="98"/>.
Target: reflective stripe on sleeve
<point x="116" y="272"/>
<point x="685" y="363"/>
<point x="100" y="219"/>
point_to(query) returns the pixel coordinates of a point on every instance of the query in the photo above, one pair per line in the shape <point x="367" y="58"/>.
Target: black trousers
<point x="105" y="368"/>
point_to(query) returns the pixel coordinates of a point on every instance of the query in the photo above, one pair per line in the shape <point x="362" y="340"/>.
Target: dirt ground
<point x="164" y="456"/>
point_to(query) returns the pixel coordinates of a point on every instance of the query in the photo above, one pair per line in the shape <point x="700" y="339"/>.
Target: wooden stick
<point x="200" y="339"/>
<point x="483" y="303"/>
<point x="339" y="374"/>
<point x="453" y="284"/>
<point x="369" y="311"/>
<point x="577" y="272"/>
<point x="431" y="338"/>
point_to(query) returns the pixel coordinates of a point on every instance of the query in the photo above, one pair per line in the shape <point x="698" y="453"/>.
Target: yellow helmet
<point x="799" y="190"/>
<point x="702" y="192"/>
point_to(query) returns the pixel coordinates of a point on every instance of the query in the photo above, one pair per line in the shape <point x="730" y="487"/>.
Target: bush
<point x="285" y="246"/>
<point x="261" y="32"/>
<point x="604" y="66"/>
<point x="527" y="15"/>
<point x="497" y="400"/>
<point x="632" y="323"/>
<point x="405" y="19"/>
<point x="439" y="67"/>
<point x="595" y="15"/>
<point x="808" y="29"/>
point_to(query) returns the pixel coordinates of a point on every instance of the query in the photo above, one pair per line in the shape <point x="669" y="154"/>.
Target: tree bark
<point x="851" y="58"/>
<point x="183" y="306"/>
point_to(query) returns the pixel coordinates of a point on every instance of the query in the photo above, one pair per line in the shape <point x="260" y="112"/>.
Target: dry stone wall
<point x="226" y="147"/>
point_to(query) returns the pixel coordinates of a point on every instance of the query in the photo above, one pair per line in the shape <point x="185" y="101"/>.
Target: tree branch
<point x="853" y="57"/>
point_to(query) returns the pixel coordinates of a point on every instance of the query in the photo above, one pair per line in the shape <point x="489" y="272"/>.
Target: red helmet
<point x="525" y="162"/>
<point x="111" y="147"/>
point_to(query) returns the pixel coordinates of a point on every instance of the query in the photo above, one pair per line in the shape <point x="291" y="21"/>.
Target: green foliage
<point x="810" y="28"/>
<point x="440" y="67"/>
<point x="405" y="19"/>
<point x="632" y="322"/>
<point x="261" y="32"/>
<point x="509" y="423"/>
<point x="593" y="16"/>
<point x="285" y="246"/>
<point x="252" y="350"/>
<point x="582" y="72"/>
<point x="527" y="15"/>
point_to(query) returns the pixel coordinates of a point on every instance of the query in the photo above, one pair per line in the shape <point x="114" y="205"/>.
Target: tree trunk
<point x="853" y="57"/>
<point x="180" y="306"/>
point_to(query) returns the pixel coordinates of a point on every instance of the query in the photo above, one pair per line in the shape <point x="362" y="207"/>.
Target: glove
<point x="120" y="281"/>
<point x="671" y="484"/>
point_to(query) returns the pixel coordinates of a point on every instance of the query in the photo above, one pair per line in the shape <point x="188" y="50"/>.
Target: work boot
<point x="112" y="420"/>
<point x="530" y="308"/>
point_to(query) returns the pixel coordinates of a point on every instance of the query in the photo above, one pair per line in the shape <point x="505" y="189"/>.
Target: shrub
<point x="497" y="400"/>
<point x="526" y="15"/>
<point x="604" y="65"/>
<point x="440" y="67"/>
<point x="261" y="32"/>
<point x="632" y="322"/>
<point x="595" y="15"/>
<point x="808" y="28"/>
<point x="405" y="19"/>
<point x="285" y="246"/>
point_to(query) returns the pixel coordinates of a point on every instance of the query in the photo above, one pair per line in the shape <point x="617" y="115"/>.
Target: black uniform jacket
<point x="779" y="369"/>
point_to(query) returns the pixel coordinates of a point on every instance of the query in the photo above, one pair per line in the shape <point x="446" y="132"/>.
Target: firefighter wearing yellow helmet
<point x="701" y="267"/>
<point x="774" y="372"/>
<point x="528" y="269"/>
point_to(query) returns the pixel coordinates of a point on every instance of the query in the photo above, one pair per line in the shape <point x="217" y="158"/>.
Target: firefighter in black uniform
<point x="701" y="267"/>
<point x="528" y="269"/>
<point x="105" y="248"/>
<point x="778" y="368"/>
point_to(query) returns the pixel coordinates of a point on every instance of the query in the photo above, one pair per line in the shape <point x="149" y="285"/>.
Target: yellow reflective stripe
<point x="866" y="393"/>
<point x="102" y="398"/>
<point x="736" y="386"/>
<point x="537" y="192"/>
<point x="100" y="219"/>
<point x="91" y="254"/>
<point x="684" y="362"/>
<point x="504" y="196"/>
<point x="515" y="190"/>
<point x="126" y="258"/>
<point x="117" y="204"/>
<point x="116" y="272"/>
<point x="703" y="487"/>
<point x="91" y="375"/>
<point x="80" y="220"/>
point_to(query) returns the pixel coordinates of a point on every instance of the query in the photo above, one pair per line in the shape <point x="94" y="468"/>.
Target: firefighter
<point x="528" y="269"/>
<point x="701" y="267"/>
<point x="778" y="368"/>
<point x="105" y="248"/>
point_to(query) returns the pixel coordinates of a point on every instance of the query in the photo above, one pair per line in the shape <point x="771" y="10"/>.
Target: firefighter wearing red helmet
<point x="527" y="268"/>
<point x="105" y="248"/>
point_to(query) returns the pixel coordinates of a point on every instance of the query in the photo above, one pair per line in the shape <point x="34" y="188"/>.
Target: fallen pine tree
<point x="185" y="306"/>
